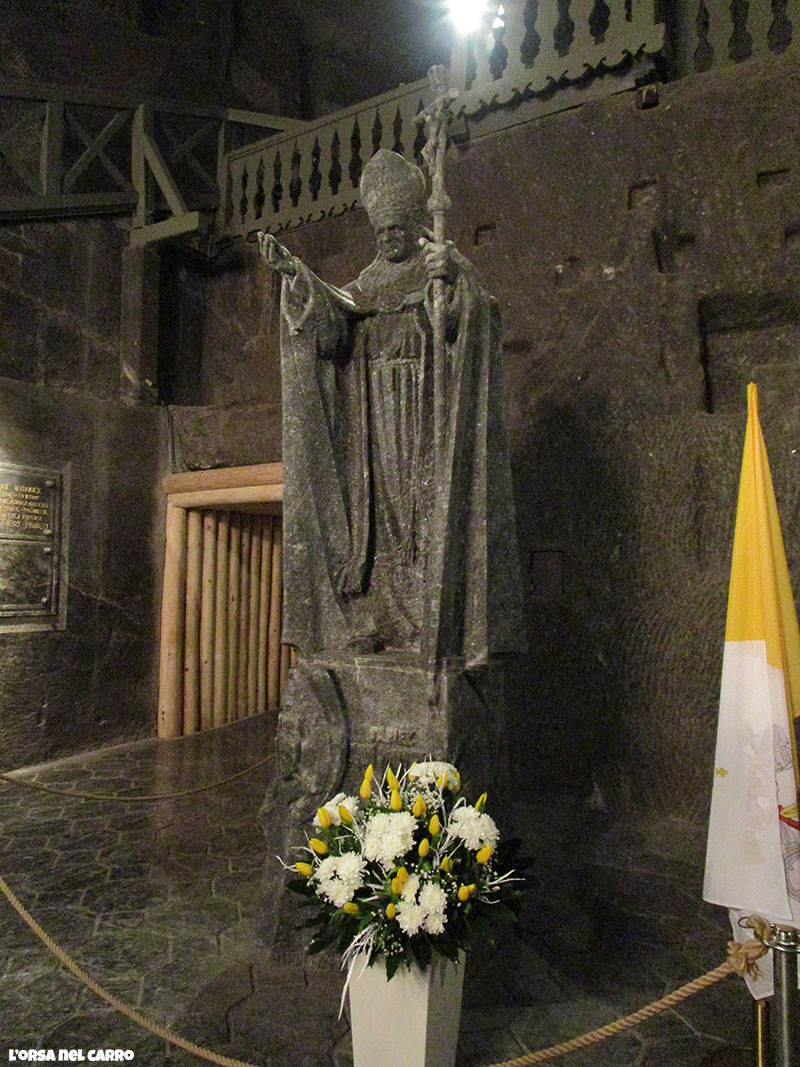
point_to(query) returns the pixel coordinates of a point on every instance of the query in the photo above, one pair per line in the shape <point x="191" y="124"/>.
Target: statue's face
<point x="396" y="240"/>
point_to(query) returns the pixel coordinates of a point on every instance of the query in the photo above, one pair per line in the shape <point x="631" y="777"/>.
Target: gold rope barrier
<point x="109" y="998"/>
<point x="741" y="960"/>
<point x="7" y="777"/>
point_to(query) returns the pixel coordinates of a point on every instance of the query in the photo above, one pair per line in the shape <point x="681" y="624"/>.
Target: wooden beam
<point x="173" y="601"/>
<point x="224" y="478"/>
<point x="74" y="205"/>
<point x="228" y="498"/>
<point x="166" y="183"/>
<point x="191" y="222"/>
<point x="142" y="120"/>
<point x="51" y="162"/>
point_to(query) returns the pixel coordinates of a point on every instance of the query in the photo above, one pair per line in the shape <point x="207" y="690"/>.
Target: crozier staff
<point x="361" y="465"/>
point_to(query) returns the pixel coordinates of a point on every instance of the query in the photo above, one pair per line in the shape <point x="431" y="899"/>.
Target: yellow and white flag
<point x="753" y="852"/>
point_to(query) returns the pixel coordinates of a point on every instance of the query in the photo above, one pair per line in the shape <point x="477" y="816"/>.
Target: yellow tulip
<point x="402" y="874"/>
<point x="305" y="869"/>
<point x="456" y="786"/>
<point x="479" y="803"/>
<point x="368" y="773"/>
<point x="397" y="886"/>
<point x="350" y="907"/>
<point x="319" y="846"/>
<point x="391" y="910"/>
<point x="463" y="894"/>
<point x="442" y="780"/>
<point x="447" y="864"/>
<point x="396" y="804"/>
<point x="434" y="826"/>
<point x="345" y="815"/>
<point x="394" y="785"/>
<point x="472" y="888"/>
<point x="484" y="855"/>
<point x="366" y="789"/>
<point x="420" y="807"/>
<point x="323" y="818"/>
<point x="424" y="848"/>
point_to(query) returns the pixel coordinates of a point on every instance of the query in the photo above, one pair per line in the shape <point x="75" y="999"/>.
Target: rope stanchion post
<point x="785" y="944"/>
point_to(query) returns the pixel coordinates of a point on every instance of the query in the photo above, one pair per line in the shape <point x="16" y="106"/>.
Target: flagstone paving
<point x="158" y="902"/>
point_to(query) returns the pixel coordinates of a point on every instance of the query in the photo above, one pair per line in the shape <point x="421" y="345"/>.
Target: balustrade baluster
<point x="482" y="45"/>
<point x="759" y="20"/>
<point x="720" y="30"/>
<point x="335" y="173"/>
<point x="315" y="181"/>
<point x="260" y="195"/>
<point x="498" y="56"/>
<point x="599" y="20"/>
<point x="532" y="41"/>
<point x="397" y="130"/>
<point x="277" y="189"/>
<point x="779" y="35"/>
<point x="356" y="162"/>
<point x="617" y="34"/>
<point x="420" y="138"/>
<point x="548" y="62"/>
<point x="583" y="50"/>
<point x="377" y="131"/>
<point x="295" y="184"/>
<point x="514" y="18"/>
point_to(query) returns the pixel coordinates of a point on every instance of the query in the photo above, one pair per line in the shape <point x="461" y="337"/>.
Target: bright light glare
<point x="467" y="15"/>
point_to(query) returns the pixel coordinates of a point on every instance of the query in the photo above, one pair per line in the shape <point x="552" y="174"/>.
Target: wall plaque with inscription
<point x="31" y="554"/>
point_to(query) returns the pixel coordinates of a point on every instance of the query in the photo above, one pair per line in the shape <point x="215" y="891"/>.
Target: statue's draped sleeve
<point x="316" y="327"/>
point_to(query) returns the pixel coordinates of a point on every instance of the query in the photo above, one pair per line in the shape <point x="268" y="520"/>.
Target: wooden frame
<point x="257" y="489"/>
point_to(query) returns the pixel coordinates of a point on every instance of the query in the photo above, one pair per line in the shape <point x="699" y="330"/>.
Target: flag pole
<point x="785" y="944"/>
<point x="761" y="1026"/>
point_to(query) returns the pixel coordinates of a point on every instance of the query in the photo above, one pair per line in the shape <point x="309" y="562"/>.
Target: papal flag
<point x="753" y="852"/>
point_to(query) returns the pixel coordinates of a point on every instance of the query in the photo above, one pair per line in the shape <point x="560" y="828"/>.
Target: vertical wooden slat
<point x="274" y="633"/>
<point x="265" y="585"/>
<point x="252" y="626"/>
<point x="191" y="645"/>
<point x="51" y="163"/>
<point x="207" y="620"/>
<point x="244" y="616"/>
<point x="234" y="553"/>
<point x="170" y="686"/>
<point x="221" y="621"/>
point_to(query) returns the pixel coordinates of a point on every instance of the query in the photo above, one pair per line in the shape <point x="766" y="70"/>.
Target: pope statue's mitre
<point x="392" y="189"/>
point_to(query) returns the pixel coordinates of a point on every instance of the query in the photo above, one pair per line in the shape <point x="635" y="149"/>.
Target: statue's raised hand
<point x="278" y="257"/>
<point x="439" y="260"/>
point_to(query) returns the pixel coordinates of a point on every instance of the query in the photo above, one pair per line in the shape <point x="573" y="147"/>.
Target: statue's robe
<point x="384" y="541"/>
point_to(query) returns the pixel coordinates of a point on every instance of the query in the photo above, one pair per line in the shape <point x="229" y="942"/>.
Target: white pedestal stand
<point x="413" y="1019"/>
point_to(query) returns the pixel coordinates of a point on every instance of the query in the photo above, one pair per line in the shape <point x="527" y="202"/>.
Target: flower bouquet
<point x="405" y="870"/>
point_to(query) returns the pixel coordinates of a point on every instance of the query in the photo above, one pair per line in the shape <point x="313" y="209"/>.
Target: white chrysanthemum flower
<point x="431" y="771"/>
<point x="433" y="901"/>
<point x="339" y="877"/>
<point x="388" y="836"/>
<point x="410" y="917"/>
<point x="475" y="828"/>
<point x="332" y="808"/>
<point x="410" y="888"/>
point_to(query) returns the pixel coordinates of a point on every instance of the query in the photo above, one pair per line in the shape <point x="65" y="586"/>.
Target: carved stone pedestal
<point x="342" y="712"/>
